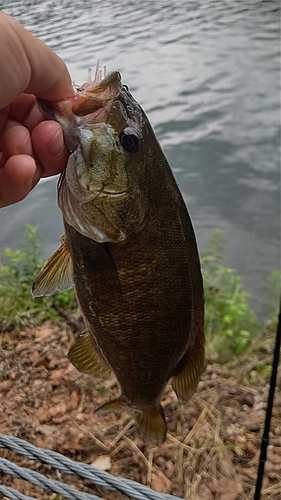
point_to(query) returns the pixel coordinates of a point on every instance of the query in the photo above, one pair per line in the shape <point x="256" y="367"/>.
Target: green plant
<point x="274" y="282"/>
<point x="230" y="323"/>
<point x="18" y="269"/>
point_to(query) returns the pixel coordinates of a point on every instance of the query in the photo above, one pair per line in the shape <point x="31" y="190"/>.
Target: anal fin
<point x="188" y="371"/>
<point x="85" y="356"/>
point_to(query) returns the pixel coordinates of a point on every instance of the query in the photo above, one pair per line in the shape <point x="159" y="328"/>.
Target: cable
<point x="130" y="488"/>
<point x="13" y="494"/>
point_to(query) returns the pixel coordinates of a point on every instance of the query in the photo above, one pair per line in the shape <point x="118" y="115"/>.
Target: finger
<point x="26" y="110"/>
<point x="15" y="140"/>
<point x="16" y="179"/>
<point x="49" y="147"/>
<point x="4" y="114"/>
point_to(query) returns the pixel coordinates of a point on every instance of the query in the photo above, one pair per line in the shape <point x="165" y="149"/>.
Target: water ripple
<point x="206" y="74"/>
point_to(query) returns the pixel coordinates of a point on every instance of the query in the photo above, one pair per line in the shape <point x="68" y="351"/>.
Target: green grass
<point x="18" y="269"/>
<point x="230" y="323"/>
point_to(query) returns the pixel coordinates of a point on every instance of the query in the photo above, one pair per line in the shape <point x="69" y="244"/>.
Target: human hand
<point x="30" y="146"/>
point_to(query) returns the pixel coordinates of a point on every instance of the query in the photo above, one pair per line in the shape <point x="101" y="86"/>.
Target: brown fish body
<point x="139" y="287"/>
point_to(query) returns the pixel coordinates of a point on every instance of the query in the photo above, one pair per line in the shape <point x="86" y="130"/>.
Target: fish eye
<point x="129" y="141"/>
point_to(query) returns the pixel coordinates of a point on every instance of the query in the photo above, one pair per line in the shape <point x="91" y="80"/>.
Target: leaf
<point x="160" y="482"/>
<point x="45" y="429"/>
<point x="103" y="462"/>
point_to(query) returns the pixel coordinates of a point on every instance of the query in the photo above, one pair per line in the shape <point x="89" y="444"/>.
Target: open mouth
<point x="94" y="97"/>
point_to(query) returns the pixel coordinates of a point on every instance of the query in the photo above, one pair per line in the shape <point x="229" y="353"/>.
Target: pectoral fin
<point x="188" y="371"/>
<point x="151" y="421"/>
<point x="84" y="355"/>
<point x="56" y="274"/>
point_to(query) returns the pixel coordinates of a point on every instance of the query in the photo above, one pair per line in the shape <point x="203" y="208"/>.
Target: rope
<point x="43" y="482"/>
<point x="13" y="494"/>
<point x="101" y="478"/>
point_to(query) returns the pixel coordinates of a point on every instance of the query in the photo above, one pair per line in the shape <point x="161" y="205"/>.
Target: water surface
<point x="207" y="75"/>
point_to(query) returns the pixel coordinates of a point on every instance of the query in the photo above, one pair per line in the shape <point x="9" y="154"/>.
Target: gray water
<point x="207" y="75"/>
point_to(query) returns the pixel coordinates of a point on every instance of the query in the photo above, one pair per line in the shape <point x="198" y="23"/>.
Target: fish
<point x="130" y="251"/>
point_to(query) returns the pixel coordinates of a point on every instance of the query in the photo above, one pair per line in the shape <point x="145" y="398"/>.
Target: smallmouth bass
<point x="130" y="250"/>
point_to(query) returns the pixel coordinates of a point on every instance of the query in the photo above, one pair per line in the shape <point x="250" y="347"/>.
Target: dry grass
<point x="212" y="447"/>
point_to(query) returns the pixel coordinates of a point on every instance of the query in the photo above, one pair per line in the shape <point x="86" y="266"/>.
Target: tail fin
<point x="151" y="421"/>
<point x="152" y="425"/>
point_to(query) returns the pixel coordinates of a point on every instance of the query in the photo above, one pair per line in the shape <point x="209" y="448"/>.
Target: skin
<point x="30" y="146"/>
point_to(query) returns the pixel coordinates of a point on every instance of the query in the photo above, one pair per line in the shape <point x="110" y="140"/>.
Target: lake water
<point x="207" y="75"/>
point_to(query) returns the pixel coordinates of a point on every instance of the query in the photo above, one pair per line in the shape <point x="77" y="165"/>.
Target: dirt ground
<point x="213" y="442"/>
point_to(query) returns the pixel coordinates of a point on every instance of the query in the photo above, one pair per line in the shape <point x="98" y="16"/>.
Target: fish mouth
<point x="94" y="100"/>
<point x="89" y="106"/>
<point x="91" y="102"/>
<point x="99" y="85"/>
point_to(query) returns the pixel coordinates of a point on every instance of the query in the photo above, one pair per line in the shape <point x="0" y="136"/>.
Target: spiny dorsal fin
<point x="56" y="274"/>
<point x="85" y="356"/>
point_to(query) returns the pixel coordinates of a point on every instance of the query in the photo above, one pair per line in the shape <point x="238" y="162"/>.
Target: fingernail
<point x="56" y="146"/>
